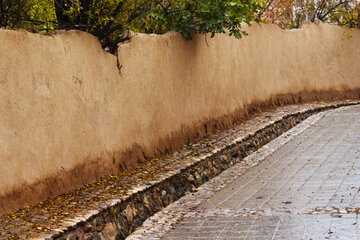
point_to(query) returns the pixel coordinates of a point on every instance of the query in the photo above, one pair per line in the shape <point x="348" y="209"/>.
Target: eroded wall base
<point x="69" y="116"/>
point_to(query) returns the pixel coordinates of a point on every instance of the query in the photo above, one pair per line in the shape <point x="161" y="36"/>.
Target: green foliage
<point x="201" y="16"/>
<point x="28" y="14"/>
<point x="110" y="19"/>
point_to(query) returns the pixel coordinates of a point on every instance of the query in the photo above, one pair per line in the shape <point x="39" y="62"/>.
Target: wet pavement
<point x="89" y="212"/>
<point x="269" y="227"/>
<point x="305" y="187"/>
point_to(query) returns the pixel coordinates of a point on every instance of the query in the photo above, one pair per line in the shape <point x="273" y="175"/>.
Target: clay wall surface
<point x="69" y="114"/>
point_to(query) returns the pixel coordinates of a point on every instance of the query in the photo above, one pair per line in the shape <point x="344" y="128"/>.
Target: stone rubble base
<point x="195" y="165"/>
<point x="124" y="216"/>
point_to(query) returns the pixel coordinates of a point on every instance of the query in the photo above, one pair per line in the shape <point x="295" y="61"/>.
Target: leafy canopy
<point x="291" y="13"/>
<point x="109" y="20"/>
<point x="201" y="16"/>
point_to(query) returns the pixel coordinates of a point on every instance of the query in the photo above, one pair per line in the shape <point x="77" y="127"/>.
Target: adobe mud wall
<point x="69" y="115"/>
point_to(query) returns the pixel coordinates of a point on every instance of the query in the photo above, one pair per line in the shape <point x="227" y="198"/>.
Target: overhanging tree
<point x="291" y="13"/>
<point x="110" y="19"/>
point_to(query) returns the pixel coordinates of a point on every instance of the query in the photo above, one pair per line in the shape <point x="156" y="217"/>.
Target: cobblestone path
<point x="306" y="188"/>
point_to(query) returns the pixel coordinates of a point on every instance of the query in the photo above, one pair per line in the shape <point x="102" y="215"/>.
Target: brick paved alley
<point x="307" y="187"/>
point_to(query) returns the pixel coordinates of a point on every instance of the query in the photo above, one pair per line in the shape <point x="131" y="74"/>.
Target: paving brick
<point x="306" y="185"/>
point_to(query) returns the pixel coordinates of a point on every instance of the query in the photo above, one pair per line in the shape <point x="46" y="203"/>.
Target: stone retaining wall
<point x="119" y="220"/>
